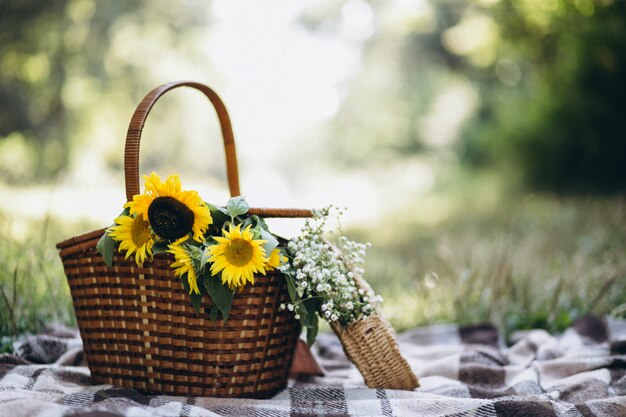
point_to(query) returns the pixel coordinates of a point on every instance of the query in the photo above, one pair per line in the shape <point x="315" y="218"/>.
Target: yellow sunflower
<point x="172" y="213"/>
<point x="182" y="265"/>
<point x="275" y="260"/>
<point x="238" y="255"/>
<point x="134" y="235"/>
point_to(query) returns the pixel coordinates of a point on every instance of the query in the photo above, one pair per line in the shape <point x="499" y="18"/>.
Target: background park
<point x="479" y="145"/>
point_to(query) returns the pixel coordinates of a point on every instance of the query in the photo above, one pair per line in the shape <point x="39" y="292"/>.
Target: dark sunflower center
<point x="170" y="218"/>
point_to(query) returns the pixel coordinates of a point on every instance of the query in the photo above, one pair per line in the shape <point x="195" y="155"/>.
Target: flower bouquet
<point x="325" y="279"/>
<point x="216" y="251"/>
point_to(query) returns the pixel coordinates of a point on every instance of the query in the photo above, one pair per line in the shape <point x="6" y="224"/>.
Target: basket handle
<point x="133" y="138"/>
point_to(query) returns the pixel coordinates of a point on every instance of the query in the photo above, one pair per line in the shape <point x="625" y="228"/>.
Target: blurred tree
<point x="563" y="128"/>
<point x="64" y="61"/>
<point x="49" y="52"/>
<point x="533" y="88"/>
<point x="32" y="74"/>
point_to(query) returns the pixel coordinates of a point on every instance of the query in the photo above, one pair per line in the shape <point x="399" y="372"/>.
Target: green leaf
<point x="205" y="256"/>
<point x="310" y="306"/>
<point x="271" y="243"/>
<point x="311" y="331"/>
<point x="309" y="319"/>
<point x="214" y="312"/>
<point x="237" y="206"/>
<point x="304" y="315"/>
<point x="220" y="294"/>
<point x="196" y="299"/>
<point x="219" y="214"/>
<point x="106" y="248"/>
<point x="216" y="209"/>
<point x="195" y="253"/>
<point x="256" y="233"/>
<point x="247" y="222"/>
<point x="160" y="247"/>
<point x="291" y="287"/>
<point x="259" y="221"/>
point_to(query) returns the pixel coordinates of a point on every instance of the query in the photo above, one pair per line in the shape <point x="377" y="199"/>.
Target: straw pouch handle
<point x="133" y="139"/>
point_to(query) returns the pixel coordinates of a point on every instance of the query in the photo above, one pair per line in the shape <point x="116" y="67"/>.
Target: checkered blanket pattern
<point x="463" y="371"/>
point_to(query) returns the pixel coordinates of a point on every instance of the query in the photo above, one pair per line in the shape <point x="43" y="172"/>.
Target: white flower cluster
<point x="326" y="272"/>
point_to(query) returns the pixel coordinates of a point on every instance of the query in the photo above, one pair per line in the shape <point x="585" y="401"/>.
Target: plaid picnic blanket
<point x="463" y="371"/>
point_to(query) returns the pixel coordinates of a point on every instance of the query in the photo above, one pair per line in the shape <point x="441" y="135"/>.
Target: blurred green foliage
<point x="562" y="127"/>
<point x="67" y="65"/>
<point x="43" y="47"/>
<point x="532" y="88"/>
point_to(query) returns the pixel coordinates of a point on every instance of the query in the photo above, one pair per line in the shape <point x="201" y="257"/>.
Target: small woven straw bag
<point x="138" y="327"/>
<point x="371" y="345"/>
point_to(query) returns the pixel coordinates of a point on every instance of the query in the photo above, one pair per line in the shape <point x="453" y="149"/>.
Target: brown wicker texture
<point x="139" y="328"/>
<point x="371" y="345"/>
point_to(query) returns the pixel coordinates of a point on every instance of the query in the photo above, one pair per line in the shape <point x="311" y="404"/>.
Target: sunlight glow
<point x="410" y="16"/>
<point x="280" y="79"/>
<point x="475" y="36"/>
<point x="359" y="19"/>
<point x="443" y="122"/>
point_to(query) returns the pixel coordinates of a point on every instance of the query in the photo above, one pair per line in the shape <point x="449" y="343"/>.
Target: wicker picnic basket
<point x="371" y="345"/>
<point x="138" y="327"/>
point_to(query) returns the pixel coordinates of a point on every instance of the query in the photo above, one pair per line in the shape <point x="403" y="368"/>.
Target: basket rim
<point x="82" y="238"/>
<point x="258" y="211"/>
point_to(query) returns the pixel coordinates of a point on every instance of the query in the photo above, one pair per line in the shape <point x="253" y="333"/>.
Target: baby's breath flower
<point x="327" y="273"/>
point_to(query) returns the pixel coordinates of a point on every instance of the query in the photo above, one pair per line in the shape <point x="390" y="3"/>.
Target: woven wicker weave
<point x="371" y="345"/>
<point x="138" y="327"/>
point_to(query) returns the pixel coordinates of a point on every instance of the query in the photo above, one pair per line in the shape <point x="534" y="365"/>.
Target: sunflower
<point x="275" y="260"/>
<point x="135" y="236"/>
<point x="182" y="265"/>
<point x="238" y="256"/>
<point x="172" y="213"/>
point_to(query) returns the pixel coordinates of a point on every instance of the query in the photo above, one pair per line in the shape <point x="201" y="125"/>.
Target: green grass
<point x="518" y="262"/>
<point x="33" y="291"/>
<point x="522" y="263"/>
